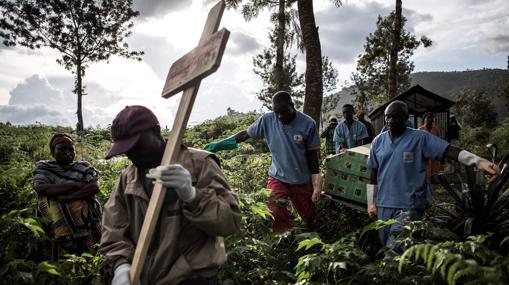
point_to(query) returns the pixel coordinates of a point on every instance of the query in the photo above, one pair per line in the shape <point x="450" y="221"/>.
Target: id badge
<point x="408" y="157"/>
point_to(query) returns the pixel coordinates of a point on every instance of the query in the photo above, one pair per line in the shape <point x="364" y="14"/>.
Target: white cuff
<point x="121" y="276"/>
<point x="468" y="158"/>
<point x="192" y="195"/>
<point x="370" y="193"/>
<point x="123" y="267"/>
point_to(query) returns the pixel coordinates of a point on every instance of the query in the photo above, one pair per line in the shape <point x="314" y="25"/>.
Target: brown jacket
<point x="188" y="242"/>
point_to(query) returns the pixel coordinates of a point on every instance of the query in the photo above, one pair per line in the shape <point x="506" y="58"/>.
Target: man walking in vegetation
<point x="293" y="141"/>
<point x="66" y="191"/>
<point x="328" y="134"/>
<point x="398" y="159"/>
<point x="349" y="133"/>
<point x="199" y="208"/>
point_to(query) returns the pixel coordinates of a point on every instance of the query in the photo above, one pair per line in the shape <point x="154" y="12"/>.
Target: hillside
<point x="446" y="84"/>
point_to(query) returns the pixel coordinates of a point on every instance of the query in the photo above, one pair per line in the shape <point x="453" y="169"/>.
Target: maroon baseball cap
<point x="128" y="126"/>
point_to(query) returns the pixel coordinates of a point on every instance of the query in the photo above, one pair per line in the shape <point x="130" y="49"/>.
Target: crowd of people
<point x="200" y="208"/>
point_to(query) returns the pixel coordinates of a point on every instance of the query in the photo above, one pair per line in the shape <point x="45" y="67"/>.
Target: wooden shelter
<point x="419" y="101"/>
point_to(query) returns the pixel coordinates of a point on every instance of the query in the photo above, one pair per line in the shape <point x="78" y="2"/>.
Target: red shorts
<point x="299" y="194"/>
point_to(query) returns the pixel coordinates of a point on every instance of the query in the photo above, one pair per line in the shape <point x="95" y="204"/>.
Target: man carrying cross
<point x="199" y="208"/>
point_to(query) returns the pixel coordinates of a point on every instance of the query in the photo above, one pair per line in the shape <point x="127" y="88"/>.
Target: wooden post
<point x="185" y="74"/>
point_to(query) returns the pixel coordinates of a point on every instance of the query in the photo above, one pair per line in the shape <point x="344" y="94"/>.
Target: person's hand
<point x="177" y="177"/>
<point x="371" y="191"/>
<point x="489" y="167"/>
<point x="372" y="211"/>
<point x="121" y="276"/>
<point x="317" y="181"/>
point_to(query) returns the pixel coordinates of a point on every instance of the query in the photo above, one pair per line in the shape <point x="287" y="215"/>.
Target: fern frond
<point x="425" y="253"/>
<point x="470" y="267"/>
<point x="449" y="258"/>
<point x="407" y="255"/>
<point x="432" y="256"/>
<point x="452" y="270"/>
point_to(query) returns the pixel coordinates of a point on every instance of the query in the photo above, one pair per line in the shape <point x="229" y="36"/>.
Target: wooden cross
<point x="185" y="74"/>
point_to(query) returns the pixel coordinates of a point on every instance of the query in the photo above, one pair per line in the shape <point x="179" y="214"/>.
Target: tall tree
<point x="330" y="76"/>
<point x="311" y="41"/>
<point x="313" y="96"/>
<point x="83" y="31"/>
<point x="393" y="59"/>
<point x="330" y="82"/>
<point x="372" y="72"/>
<point x="275" y="79"/>
<point x="284" y="34"/>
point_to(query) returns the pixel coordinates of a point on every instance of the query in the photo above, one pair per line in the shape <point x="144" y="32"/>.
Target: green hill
<point x="446" y="84"/>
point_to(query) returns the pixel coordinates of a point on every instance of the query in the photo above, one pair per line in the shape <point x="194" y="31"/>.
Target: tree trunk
<point x="314" y="85"/>
<point x="280" y="48"/>
<point x="393" y="60"/>
<point x="78" y="89"/>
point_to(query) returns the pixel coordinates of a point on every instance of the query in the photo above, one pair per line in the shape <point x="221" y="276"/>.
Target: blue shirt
<point x="343" y="135"/>
<point x="288" y="145"/>
<point x="402" y="164"/>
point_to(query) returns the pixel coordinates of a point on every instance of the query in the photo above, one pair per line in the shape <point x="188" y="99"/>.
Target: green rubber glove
<point x="228" y="143"/>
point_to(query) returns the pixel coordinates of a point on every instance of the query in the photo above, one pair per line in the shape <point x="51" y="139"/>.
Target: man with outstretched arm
<point x="401" y="189"/>
<point x="294" y="174"/>
<point x="198" y="210"/>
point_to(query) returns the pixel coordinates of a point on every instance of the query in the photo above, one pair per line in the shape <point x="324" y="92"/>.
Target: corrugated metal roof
<point x="419" y="101"/>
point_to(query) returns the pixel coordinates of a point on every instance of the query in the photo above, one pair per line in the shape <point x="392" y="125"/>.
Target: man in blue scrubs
<point x="292" y="138"/>
<point x="399" y="160"/>
<point x="350" y="133"/>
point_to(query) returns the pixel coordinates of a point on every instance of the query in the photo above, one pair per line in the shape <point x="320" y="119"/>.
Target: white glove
<point x="121" y="276"/>
<point x="176" y="177"/>
<point x="371" y="190"/>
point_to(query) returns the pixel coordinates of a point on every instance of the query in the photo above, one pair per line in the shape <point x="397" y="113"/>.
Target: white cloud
<point x="466" y="34"/>
<point x="21" y="115"/>
<point x="155" y="8"/>
<point x="36" y="90"/>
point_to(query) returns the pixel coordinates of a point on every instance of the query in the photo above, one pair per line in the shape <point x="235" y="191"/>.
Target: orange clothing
<point x="433" y="165"/>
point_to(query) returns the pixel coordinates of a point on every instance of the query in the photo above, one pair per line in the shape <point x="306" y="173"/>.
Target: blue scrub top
<point x="402" y="168"/>
<point x="288" y="145"/>
<point x="349" y="136"/>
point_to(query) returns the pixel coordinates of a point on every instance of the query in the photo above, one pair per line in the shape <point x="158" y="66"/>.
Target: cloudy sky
<point x="467" y="34"/>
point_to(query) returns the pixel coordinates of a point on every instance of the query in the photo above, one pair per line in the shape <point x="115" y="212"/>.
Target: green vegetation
<point x="343" y="250"/>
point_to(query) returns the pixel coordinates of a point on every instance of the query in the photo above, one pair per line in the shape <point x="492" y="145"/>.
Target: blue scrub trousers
<point x="388" y="234"/>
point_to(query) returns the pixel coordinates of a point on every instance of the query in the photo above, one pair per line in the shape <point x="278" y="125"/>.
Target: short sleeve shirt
<point x="288" y="145"/>
<point x="402" y="168"/>
<point x="343" y="135"/>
